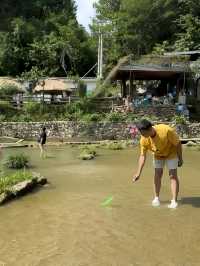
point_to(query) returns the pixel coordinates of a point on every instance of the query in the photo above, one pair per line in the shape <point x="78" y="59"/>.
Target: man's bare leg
<point x="174" y="183"/>
<point x="157" y="181"/>
<point x="157" y="186"/>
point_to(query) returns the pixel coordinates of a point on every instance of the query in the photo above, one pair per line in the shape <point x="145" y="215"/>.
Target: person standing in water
<point x="42" y="141"/>
<point x="166" y="147"/>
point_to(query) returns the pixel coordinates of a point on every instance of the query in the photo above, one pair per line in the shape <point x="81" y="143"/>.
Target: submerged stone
<point x="191" y="144"/>
<point x="86" y="156"/>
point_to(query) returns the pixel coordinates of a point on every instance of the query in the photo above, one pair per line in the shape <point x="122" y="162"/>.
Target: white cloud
<point x="85" y="12"/>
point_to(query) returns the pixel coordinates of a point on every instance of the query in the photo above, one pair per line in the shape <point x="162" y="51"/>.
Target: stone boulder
<point x="22" y="188"/>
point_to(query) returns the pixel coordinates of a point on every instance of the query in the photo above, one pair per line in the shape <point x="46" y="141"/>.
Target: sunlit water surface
<point x="64" y="224"/>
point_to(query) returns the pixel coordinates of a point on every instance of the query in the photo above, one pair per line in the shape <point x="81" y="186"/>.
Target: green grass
<point x="17" y="161"/>
<point x="88" y="152"/>
<point x="91" y="149"/>
<point x="115" y="146"/>
<point x="7" y="181"/>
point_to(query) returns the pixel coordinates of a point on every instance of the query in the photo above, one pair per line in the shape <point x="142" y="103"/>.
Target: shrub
<point x="18" y="161"/>
<point x="24" y="118"/>
<point x="86" y="105"/>
<point x="88" y="152"/>
<point x="115" y="146"/>
<point x="32" y="108"/>
<point x="9" y="90"/>
<point x="47" y="117"/>
<point x="150" y="118"/>
<point x="2" y="118"/>
<point x="179" y="120"/>
<point x="89" y="149"/>
<point x="67" y="117"/>
<point x="92" y="117"/>
<point x="7" y="109"/>
<point x="77" y="116"/>
<point x="130" y="117"/>
<point x="115" y="117"/>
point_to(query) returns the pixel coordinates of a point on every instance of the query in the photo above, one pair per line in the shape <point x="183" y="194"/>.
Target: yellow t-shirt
<point x="163" y="145"/>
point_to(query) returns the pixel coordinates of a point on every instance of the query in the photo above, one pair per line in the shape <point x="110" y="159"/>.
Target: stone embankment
<point x="68" y="130"/>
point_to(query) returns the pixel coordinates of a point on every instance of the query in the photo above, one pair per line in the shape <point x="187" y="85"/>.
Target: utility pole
<point x="100" y="56"/>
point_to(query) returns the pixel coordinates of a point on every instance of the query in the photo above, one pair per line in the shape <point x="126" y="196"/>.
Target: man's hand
<point x="136" y="178"/>
<point x="180" y="162"/>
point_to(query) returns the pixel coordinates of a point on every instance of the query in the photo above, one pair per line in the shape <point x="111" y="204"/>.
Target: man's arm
<point x="179" y="154"/>
<point x="141" y="163"/>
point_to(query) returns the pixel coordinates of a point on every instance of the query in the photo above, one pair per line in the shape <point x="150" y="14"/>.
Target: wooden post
<point x="124" y="90"/>
<point x="42" y="84"/>
<point x="132" y="88"/>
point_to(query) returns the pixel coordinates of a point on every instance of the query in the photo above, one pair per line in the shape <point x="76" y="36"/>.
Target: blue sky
<point x="85" y="12"/>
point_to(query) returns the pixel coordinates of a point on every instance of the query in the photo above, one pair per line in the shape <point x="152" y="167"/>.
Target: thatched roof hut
<point x="7" y="81"/>
<point x="52" y="86"/>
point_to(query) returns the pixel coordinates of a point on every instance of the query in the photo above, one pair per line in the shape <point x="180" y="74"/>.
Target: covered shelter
<point x="52" y="89"/>
<point x="166" y="73"/>
<point x="156" y="82"/>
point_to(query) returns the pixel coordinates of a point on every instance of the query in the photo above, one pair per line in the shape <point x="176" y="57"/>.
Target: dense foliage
<point x="84" y="110"/>
<point x="43" y="36"/>
<point x="17" y="161"/>
<point x="140" y="27"/>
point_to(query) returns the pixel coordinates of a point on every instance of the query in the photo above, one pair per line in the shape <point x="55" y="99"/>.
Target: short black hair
<point x="144" y="124"/>
<point x="44" y="128"/>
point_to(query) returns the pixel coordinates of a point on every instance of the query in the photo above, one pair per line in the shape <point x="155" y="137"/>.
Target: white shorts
<point x="171" y="163"/>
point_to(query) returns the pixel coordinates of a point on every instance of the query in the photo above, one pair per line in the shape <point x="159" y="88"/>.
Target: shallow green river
<point x="64" y="224"/>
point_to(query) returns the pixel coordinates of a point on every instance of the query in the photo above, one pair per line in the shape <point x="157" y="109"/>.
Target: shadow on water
<point x="194" y="201"/>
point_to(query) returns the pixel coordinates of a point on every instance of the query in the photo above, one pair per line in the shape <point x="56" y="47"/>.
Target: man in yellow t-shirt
<point x="165" y="145"/>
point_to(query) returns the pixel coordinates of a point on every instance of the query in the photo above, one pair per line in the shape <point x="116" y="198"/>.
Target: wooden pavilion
<point x="164" y="70"/>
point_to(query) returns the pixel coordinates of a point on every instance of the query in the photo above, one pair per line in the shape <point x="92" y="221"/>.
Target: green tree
<point x="43" y="34"/>
<point x="135" y="27"/>
<point x="189" y="37"/>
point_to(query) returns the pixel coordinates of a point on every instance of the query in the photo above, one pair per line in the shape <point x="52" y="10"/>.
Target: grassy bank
<point x="9" y="180"/>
